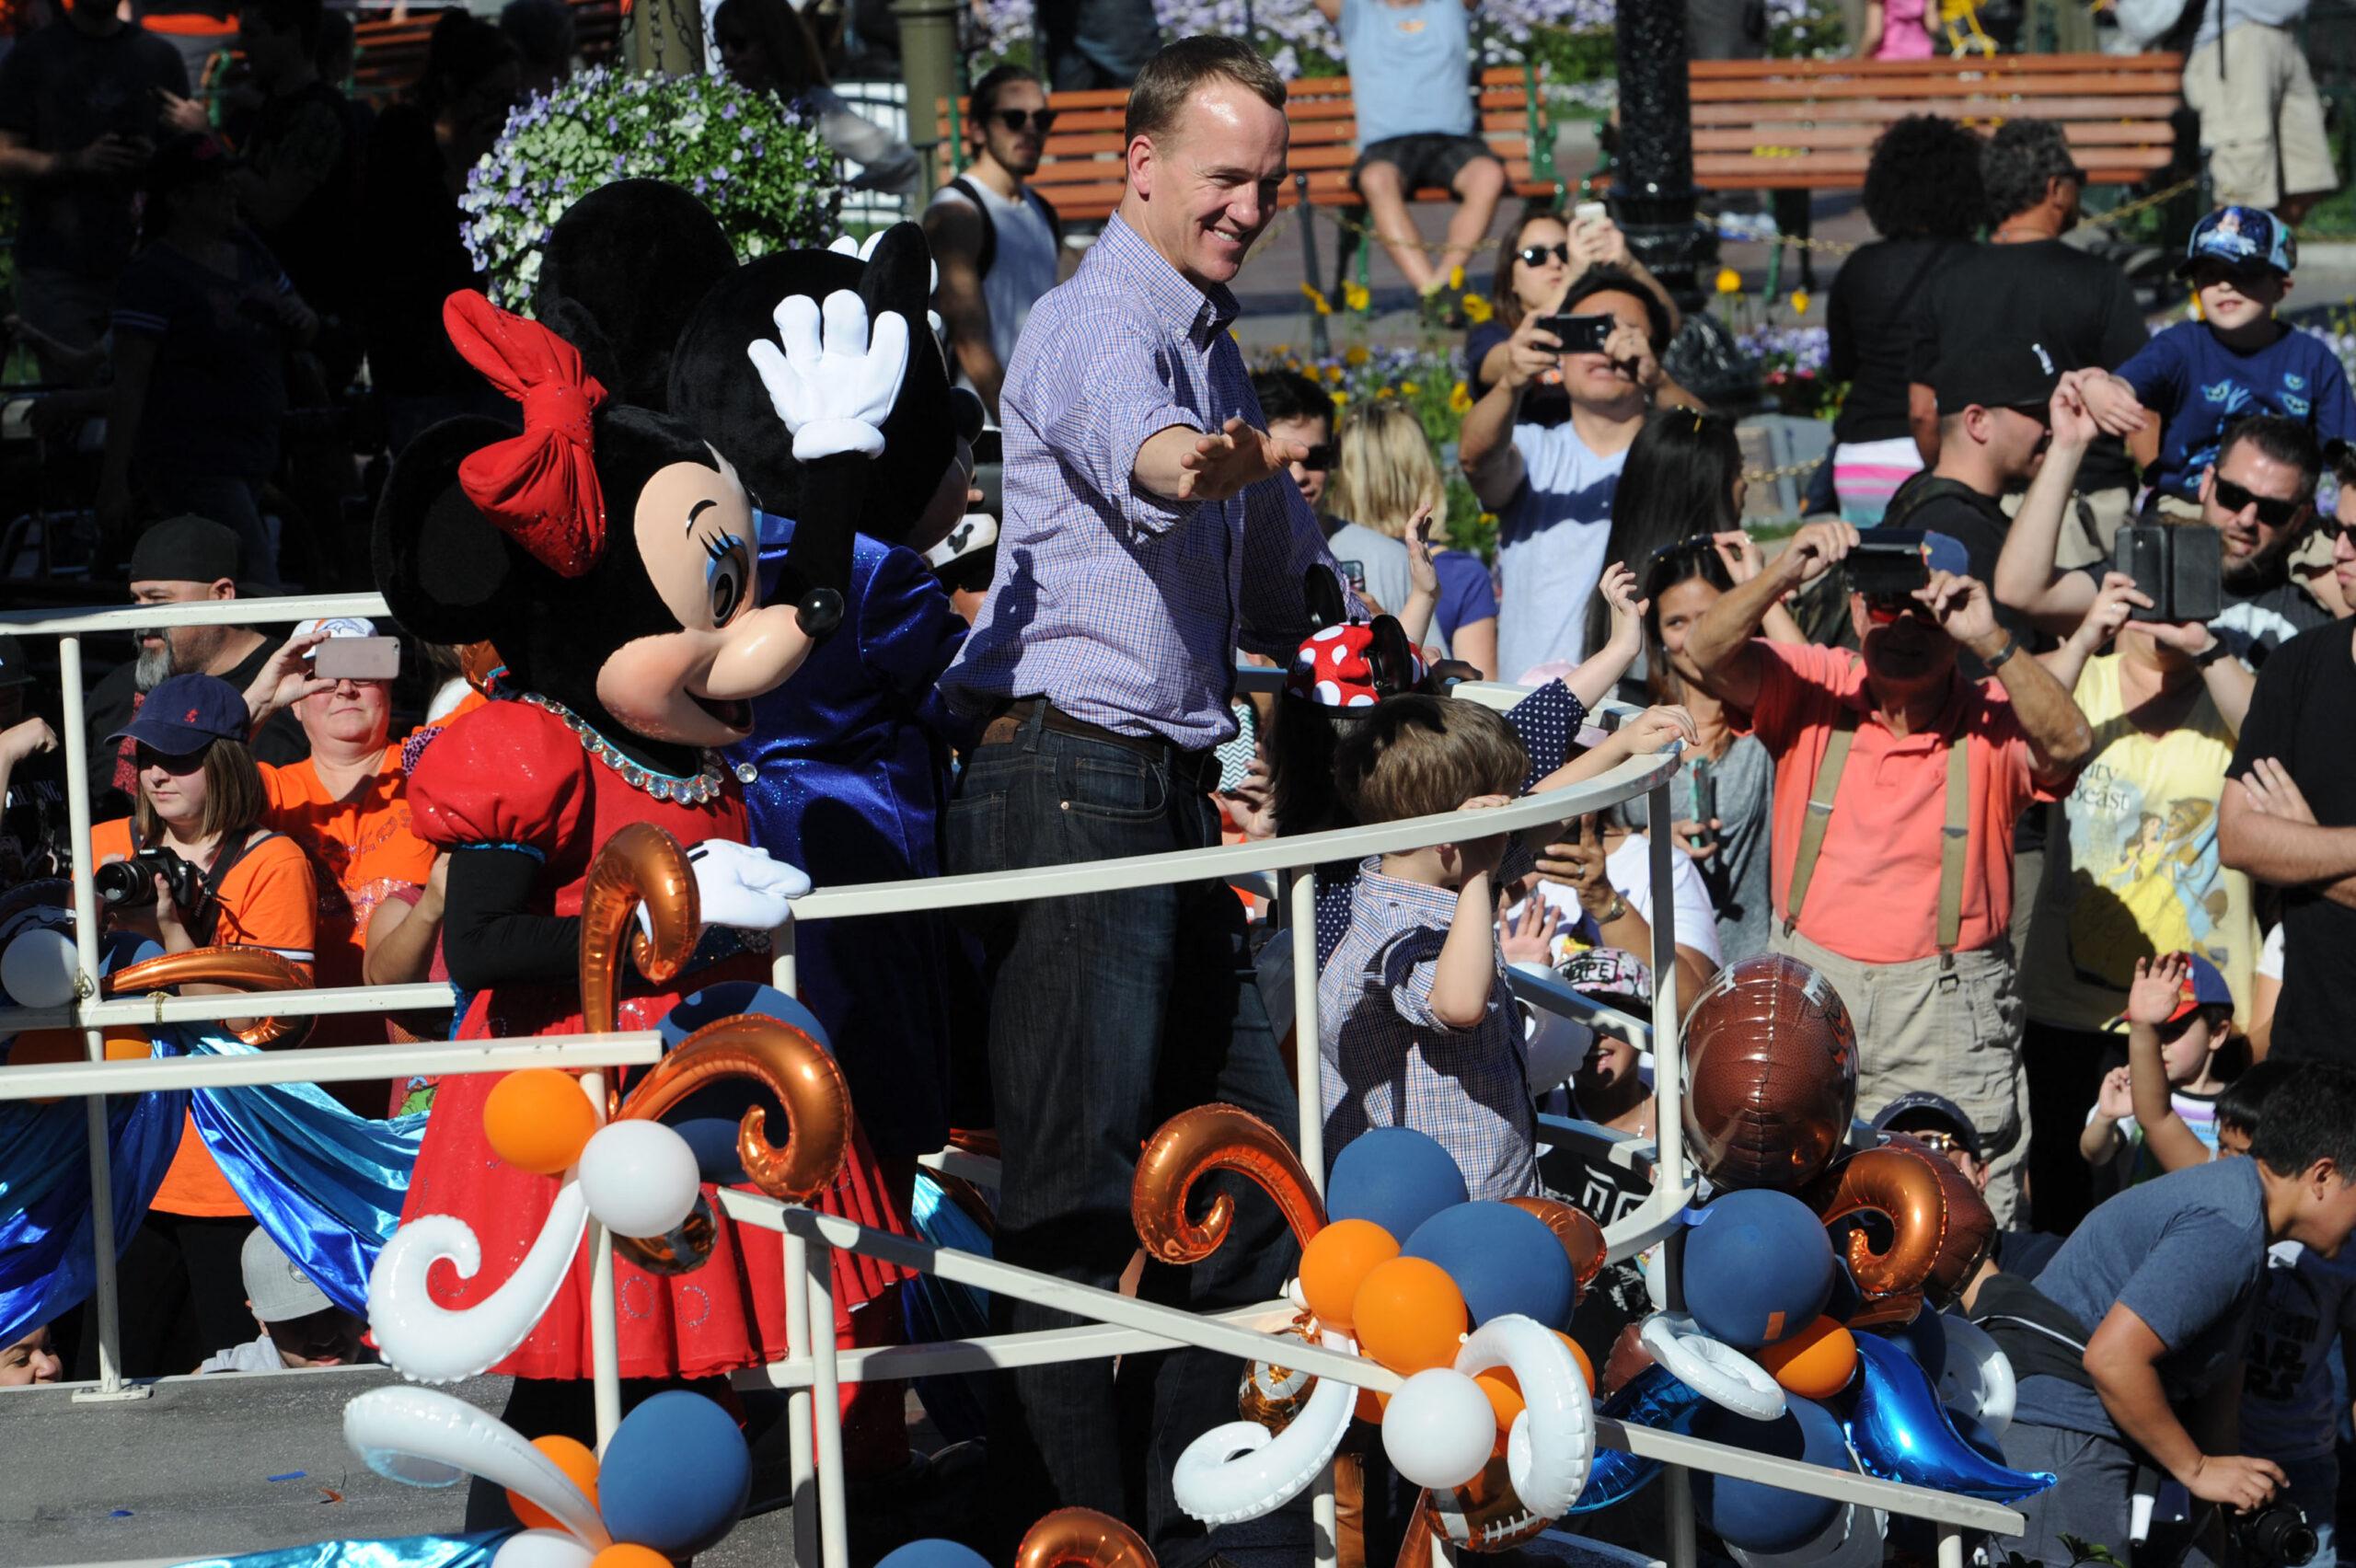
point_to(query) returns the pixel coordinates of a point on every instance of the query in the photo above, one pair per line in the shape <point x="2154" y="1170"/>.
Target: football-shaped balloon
<point x="1770" y="1066"/>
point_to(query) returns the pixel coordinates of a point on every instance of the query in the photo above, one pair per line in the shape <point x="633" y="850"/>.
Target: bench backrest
<point x="388" y="54"/>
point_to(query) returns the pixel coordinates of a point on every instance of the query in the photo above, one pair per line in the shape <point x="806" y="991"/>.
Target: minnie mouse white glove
<point x="833" y="392"/>
<point x="741" y="887"/>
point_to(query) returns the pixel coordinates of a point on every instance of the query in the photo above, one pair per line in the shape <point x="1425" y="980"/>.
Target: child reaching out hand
<point x="2158" y="1113"/>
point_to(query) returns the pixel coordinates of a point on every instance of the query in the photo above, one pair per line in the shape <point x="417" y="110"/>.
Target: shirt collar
<point x="1439" y="904"/>
<point x="1198" y="314"/>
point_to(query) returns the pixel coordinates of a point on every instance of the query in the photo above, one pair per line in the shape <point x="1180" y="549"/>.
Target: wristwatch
<point x="1996" y="661"/>
<point x="1618" y="908"/>
<point x="2211" y="654"/>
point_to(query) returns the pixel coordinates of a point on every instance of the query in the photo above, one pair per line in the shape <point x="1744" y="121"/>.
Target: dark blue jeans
<point x="1110" y="1013"/>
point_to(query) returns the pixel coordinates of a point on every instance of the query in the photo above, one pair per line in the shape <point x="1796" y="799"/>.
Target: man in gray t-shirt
<point x="1298" y="410"/>
<point x="2162" y="1280"/>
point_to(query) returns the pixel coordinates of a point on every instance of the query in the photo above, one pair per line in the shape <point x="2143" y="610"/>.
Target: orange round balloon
<point x="623" y="1556"/>
<point x="1409" y="1315"/>
<point x="1587" y="1367"/>
<point x="53" y="1047"/>
<point x="539" y="1120"/>
<point x="580" y="1467"/>
<point x="1505" y="1397"/>
<point x="1371" y="1405"/>
<point x="1814" y="1363"/>
<point x="1336" y="1263"/>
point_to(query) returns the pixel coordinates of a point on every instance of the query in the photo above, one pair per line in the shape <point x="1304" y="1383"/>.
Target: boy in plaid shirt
<point x="1415" y="1023"/>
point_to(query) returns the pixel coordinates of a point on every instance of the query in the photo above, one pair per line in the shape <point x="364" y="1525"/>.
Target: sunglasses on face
<point x="1319" y="458"/>
<point x="1889" y="612"/>
<point x="1937" y="1141"/>
<point x="1535" y="255"/>
<point x="177" y="766"/>
<point x="2272" y="512"/>
<point x="1016" y="119"/>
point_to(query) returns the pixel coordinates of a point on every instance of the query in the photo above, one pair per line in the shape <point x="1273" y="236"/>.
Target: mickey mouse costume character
<point x="607" y="553"/>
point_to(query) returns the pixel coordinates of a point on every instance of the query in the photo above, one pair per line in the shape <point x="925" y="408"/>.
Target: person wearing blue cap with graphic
<point x="2236" y="360"/>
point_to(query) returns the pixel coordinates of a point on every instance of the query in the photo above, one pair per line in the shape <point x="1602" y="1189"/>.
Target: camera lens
<point x="125" y="884"/>
<point x="2278" y="1534"/>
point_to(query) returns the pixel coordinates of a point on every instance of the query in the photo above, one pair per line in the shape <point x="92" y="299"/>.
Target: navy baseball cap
<point x="1921" y="1102"/>
<point x="2248" y="239"/>
<point x="187" y="713"/>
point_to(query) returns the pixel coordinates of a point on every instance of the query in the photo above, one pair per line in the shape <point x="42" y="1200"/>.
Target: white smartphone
<point x="1590" y="213"/>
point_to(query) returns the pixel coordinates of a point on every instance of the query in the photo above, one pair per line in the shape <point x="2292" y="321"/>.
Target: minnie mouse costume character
<point x="608" y="554"/>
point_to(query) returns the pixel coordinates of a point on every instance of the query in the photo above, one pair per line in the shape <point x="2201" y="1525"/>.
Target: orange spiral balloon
<point x="640" y="863"/>
<point x="1485" y="1513"/>
<point x="1972" y="1226"/>
<point x="241" y="968"/>
<point x="1575" y="1229"/>
<point x="1081" y="1538"/>
<point x="479" y="661"/>
<point x="1191" y="1146"/>
<point x="1901" y="1183"/>
<point x="791" y="1066"/>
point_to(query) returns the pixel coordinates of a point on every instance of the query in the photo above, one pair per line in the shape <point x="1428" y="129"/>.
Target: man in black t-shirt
<point x="2032" y="286"/>
<point x="82" y="105"/>
<point x="2288" y="816"/>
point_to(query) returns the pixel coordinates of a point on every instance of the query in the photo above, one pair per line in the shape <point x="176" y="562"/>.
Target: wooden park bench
<point x="388" y="54"/>
<point x="1082" y="168"/>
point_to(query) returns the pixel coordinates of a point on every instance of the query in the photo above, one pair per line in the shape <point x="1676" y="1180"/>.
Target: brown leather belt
<point x="1196" y="770"/>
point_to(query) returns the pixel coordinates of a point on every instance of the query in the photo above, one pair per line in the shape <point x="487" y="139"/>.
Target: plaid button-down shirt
<point x="1123" y="607"/>
<point x="1389" y="1063"/>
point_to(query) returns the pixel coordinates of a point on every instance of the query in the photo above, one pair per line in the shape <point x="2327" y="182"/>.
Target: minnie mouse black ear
<point x="1392" y="658"/>
<point x="443" y="567"/>
<point x="1321" y="592"/>
<point x="967" y="412"/>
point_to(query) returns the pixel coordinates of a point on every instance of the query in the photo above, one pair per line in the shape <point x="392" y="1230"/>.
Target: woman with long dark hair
<point x="1925" y="199"/>
<point x="767" y="48"/>
<point x="1683" y="477"/>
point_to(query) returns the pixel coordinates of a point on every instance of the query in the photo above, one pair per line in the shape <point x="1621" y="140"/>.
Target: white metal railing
<point x="813" y="1368"/>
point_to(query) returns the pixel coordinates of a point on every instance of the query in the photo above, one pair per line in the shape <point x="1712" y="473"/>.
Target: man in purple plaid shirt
<point x="1151" y="527"/>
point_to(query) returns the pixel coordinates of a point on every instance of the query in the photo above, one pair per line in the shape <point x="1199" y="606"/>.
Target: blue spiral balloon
<point x="1903" y="1433"/>
<point x="1652" y="1398"/>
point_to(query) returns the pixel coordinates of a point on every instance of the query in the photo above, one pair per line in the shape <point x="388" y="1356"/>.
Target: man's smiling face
<point x="1210" y="183"/>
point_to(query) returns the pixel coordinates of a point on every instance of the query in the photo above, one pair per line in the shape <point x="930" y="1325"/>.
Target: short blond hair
<point x="1416" y="754"/>
<point x="1385" y="471"/>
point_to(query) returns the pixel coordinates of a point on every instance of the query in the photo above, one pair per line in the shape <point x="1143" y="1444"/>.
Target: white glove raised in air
<point x="833" y="392"/>
<point x="741" y="887"/>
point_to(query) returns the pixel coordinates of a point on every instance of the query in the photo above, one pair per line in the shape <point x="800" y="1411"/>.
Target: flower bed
<point x="758" y="164"/>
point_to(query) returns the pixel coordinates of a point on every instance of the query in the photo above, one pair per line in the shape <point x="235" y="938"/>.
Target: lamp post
<point x="929" y="66"/>
<point x="1654" y="199"/>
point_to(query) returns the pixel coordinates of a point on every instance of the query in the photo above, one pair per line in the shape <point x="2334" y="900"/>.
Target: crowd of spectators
<point x="2004" y="799"/>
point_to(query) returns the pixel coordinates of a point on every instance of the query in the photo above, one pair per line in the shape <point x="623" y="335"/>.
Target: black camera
<point x="2277" y="1533"/>
<point x="130" y="884"/>
<point x="1581" y="334"/>
<point x="1888" y="564"/>
<point x="2179" y="567"/>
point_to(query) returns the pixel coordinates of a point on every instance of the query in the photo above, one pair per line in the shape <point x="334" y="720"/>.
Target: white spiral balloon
<point x="433" y="1343"/>
<point x="1711" y="1367"/>
<point x="421" y="1437"/>
<point x="1552" y="1440"/>
<point x="1240" y="1470"/>
<point x="1978" y="1377"/>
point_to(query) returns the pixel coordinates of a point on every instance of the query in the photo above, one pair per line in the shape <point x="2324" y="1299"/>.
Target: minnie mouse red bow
<point x="540" y="486"/>
<point x="1331" y="668"/>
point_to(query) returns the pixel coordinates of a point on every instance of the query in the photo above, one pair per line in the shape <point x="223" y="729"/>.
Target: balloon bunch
<point x="1068" y="1537"/>
<point x="617" y="1160"/>
<point x="1465" y="1300"/>
<point x="673" y="1483"/>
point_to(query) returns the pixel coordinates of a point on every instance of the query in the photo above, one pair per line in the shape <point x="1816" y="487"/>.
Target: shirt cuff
<point x="1140" y="507"/>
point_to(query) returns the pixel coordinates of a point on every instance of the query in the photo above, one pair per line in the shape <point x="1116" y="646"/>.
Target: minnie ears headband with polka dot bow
<point x="1354" y="665"/>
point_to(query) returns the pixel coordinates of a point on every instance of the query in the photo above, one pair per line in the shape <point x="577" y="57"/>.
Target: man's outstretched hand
<point x="1221" y="466"/>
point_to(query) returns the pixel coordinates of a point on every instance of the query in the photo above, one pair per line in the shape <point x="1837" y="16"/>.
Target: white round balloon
<point x="640" y="1177"/>
<point x="542" y="1549"/>
<point x="1440" y="1428"/>
<point x="37" y="968"/>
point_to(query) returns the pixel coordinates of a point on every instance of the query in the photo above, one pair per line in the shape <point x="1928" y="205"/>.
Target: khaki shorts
<point x="1955" y="1032"/>
<point x="2262" y="122"/>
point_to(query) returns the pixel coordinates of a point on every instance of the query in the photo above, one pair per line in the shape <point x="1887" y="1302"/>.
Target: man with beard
<point x="2259" y="493"/>
<point x="182" y="560"/>
<point x="1897" y="784"/>
<point x="996" y="242"/>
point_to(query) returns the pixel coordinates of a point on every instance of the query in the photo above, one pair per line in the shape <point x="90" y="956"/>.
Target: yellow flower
<point x="1456" y="279"/>
<point x="1340" y="397"/>
<point x="1356" y="296"/>
<point x="1476" y="309"/>
<point x="1459" y="399"/>
<point x="1317" y="299"/>
<point x="1334" y="374"/>
<point x="1730" y="281"/>
<point x="1356" y="355"/>
<point x="1381" y="392"/>
<point x="1408" y="389"/>
<point x="1799" y="301"/>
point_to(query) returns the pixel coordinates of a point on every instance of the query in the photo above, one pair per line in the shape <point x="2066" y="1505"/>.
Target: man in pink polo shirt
<point x="1893" y="845"/>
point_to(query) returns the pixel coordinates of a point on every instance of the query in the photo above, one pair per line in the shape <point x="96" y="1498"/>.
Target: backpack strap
<point x="1821" y="790"/>
<point x="987" y="252"/>
<point x="1047" y="210"/>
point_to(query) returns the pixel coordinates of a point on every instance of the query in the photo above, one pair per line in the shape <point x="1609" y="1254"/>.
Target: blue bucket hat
<point x="2248" y="239"/>
<point x="187" y="713"/>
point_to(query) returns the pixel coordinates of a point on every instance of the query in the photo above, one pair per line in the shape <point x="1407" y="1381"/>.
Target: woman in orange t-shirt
<point x="200" y="800"/>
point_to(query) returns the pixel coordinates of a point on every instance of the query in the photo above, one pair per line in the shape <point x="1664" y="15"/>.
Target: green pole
<point x="929" y="66"/>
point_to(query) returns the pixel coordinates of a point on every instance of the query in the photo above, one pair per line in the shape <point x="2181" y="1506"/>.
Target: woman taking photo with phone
<point x="215" y="877"/>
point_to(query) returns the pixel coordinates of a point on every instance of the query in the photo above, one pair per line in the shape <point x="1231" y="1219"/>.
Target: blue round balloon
<point x="1396" y="1177"/>
<point x="1757" y="1267"/>
<point x="710" y="1118"/>
<point x="676" y="1476"/>
<point x="1503" y="1259"/>
<point x="1752" y="1514"/>
<point x="1846" y="1300"/>
<point x="933" y="1554"/>
<point x="1925" y="1340"/>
